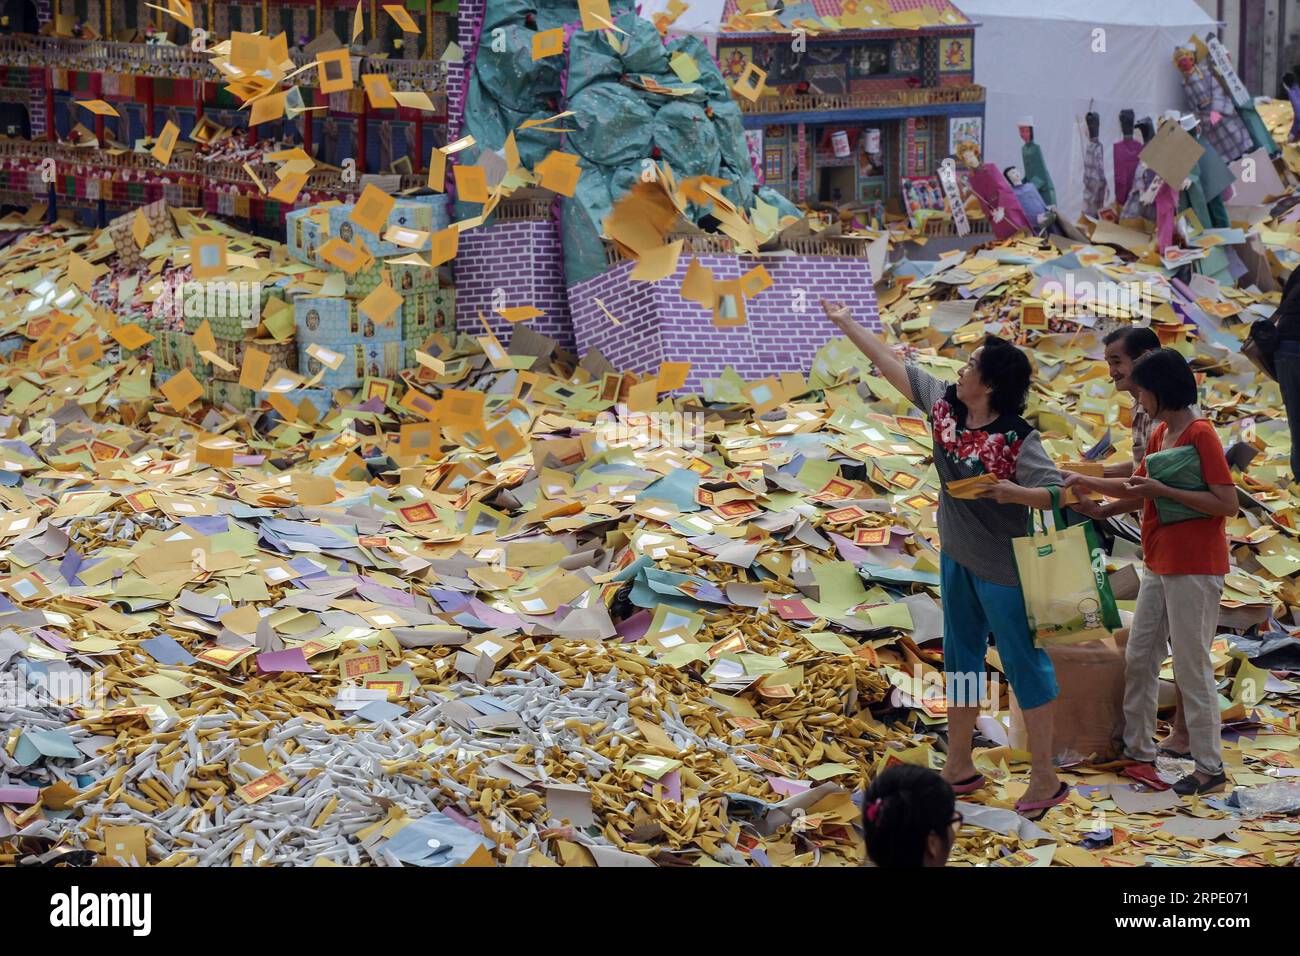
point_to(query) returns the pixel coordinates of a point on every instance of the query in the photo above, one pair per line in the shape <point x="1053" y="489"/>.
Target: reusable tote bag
<point x="1063" y="575"/>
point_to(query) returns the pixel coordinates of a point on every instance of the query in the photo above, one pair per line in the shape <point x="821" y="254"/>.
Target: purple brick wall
<point x="785" y="326"/>
<point x="469" y="20"/>
<point x="521" y="258"/>
<point x="637" y="342"/>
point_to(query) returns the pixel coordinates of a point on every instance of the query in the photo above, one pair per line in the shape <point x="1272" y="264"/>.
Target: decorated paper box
<point x="304" y="235"/>
<point x="404" y="278"/>
<point x="221" y="392"/>
<point x="336" y="322"/>
<point x="321" y="398"/>
<point x="376" y="359"/>
<point x="283" y="354"/>
<point x="411" y="215"/>
<point x="174" y="351"/>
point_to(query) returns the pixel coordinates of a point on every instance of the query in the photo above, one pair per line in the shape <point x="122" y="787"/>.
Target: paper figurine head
<point x="968" y="153"/>
<point x="1013" y="175"/>
<point x="1185" y="58"/>
<point x="1126" y="121"/>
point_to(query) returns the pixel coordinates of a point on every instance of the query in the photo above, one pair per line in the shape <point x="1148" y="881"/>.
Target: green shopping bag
<point x="1178" y="467"/>
<point x="1063" y="575"/>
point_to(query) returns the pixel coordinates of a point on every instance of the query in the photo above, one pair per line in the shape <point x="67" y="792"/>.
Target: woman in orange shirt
<point x="1186" y="562"/>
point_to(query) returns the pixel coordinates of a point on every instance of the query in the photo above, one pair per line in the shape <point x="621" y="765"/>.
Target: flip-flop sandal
<point x="1040" y="807"/>
<point x="1146" y="773"/>
<point x="970" y="784"/>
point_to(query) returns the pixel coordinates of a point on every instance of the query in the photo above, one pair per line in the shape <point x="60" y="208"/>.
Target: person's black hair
<point x="1005" y="369"/>
<point x="1138" y="340"/>
<point x="1166" y="375"/>
<point x="1007" y="172"/>
<point x="901" y="808"/>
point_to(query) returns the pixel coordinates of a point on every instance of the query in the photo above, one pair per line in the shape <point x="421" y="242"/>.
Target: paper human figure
<point x="1213" y="107"/>
<point x="1094" y="169"/>
<point x="1027" y="193"/>
<point x="996" y="197"/>
<point x="1125" y="153"/>
<point x="1221" y="63"/>
<point x="1137" y="206"/>
<point x="1031" y="157"/>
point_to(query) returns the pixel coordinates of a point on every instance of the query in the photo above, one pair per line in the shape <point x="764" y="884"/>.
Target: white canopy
<point x="1050" y="58"/>
<point x="700" y="17"/>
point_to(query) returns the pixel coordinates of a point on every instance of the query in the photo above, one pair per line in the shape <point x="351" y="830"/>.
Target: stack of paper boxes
<point x="370" y="348"/>
<point x="242" y="317"/>
<point x="173" y="351"/>
<point x="239" y="315"/>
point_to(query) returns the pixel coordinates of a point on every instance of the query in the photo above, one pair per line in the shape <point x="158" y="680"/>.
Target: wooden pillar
<point x="266" y="20"/>
<point x="306" y="132"/>
<point x="51" y="131"/>
<point x="108" y="19"/>
<point x="801" y="162"/>
<point x="428" y="29"/>
<point x="362" y="121"/>
<point x="419" y="142"/>
<point x="318" y="18"/>
<point x="148" y="105"/>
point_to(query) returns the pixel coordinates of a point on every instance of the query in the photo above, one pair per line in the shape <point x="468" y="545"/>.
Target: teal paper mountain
<point x="617" y="129"/>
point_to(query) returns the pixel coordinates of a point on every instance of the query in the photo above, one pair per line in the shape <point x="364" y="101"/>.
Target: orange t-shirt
<point x="1198" y="545"/>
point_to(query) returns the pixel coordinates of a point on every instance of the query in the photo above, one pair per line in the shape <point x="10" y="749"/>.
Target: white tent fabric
<point x="1050" y="58"/>
<point x="701" y="17"/>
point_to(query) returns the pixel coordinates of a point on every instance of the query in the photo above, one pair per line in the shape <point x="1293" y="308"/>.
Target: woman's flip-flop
<point x="1039" y="807"/>
<point x="970" y="784"/>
